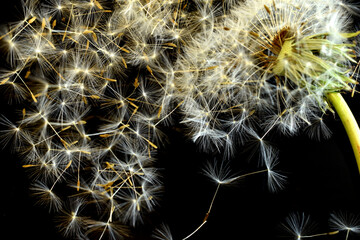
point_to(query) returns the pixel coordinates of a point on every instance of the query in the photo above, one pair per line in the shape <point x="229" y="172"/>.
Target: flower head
<point x="271" y="60"/>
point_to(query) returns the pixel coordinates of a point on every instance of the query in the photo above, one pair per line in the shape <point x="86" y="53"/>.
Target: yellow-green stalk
<point x="349" y="122"/>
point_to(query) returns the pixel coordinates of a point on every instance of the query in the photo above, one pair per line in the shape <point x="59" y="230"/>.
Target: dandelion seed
<point x="47" y="196"/>
<point x="71" y="223"/>
<point x="163" y="233"/>
<point x="276" y="180"/>
<point x="299" y="225"/>
<point x="219" y="174"/>
<point x="347" y="222"/>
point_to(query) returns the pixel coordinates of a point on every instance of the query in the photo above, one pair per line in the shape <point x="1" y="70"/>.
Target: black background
<point x="322" y="177"/>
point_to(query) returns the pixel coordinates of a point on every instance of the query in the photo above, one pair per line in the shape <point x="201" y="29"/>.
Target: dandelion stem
<point x="320" y="234"/>
<point x="207" y="214"/>
<point x="349" y="122"/>
<point x="212" y="201"/>
<point x="347" y="234"/>
<point x="194" y="231"/>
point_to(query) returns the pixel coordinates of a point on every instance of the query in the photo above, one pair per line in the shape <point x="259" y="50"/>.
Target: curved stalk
<point x="349" y="122"/>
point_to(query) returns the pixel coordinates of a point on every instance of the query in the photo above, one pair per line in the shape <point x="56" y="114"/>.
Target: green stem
<point x="349" y="122"/>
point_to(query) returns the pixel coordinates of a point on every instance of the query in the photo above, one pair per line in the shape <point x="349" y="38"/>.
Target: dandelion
<point x="307" y="58"/>
<point x="279" y="53"/>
